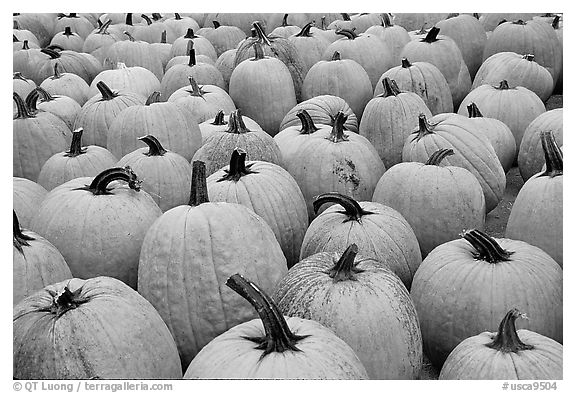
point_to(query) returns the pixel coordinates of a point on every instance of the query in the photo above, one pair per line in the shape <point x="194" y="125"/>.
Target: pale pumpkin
<point x="310" y="46"/>
<point x="133" y="79"/>
<point x="68" y="39"/>
<point x="393" y="35"/>
<point x="67" y="84"/>
<point x="63" y="107"/>
<point x="26" y="199"/>
<point x="133" y="53"/>
<point x="98" y="42"/>
<point x="220" y="123"/>
<point x="82" y="64"/>
<point x="202" y="45"/>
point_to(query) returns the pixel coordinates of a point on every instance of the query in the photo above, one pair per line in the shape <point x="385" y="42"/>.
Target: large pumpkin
<point x="68" y="40"/>
<point x="133" y="79"/>
<point x="310" y="46"/>
<point x="220" y="122"/>
<point x="67" y="84"/>
<point x="91" y="329"/>
<point x="393" y="35"/>
<point x="507" y="354"/>
<point x="464" y="286"/>
<point x="26" y="199"/>
<point x="222" y="37"/>
<point x="202" y="46"/>
<point x="133" y="53"/>
<point x="98" y="41"/>
<point x="274" y="346"/>
<point x="82" y="64"/>
<point x="60" y="106"/>
<point x="98" y="225"/>
<point x="361" y="301"/>
<point x="187" y="255"/>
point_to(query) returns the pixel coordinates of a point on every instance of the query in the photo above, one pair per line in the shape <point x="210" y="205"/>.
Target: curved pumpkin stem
<point x="154" y="145"/>
<point x="432" y="35"/>
<point x="99" y="185"/>
<point x="285" y="20"/>
<point x="278" y="336"/>
<point x="32" y="100"/>
<point x="385" y="20"/>
<point x="44" y="95"/>
<point x="305" y="32"/>
<point x="18" y="75"/>
<point x="348" y="33"/>
<point x="260" y="34"/>
<point x="199" y="190"/>
<point x="438" y="156"/>
<point x="153" y="98"/>
<point x="337" y="134"/>
<point x="556" y="22"/>
<point x="424" y="128"/>
<point x="344" y="269"/>
<point x="147" y="19"/>
<point x="345" y="16"/>
<point x="76" y="144"/>
<point x="219" y="119"/>
<point x="308" y="126"/>
<point x="107" y="94"/>
<point x="19" y="239"/>
<point x="50" y="52"/>
<point x="216" y="24"/>
<point x="57" y="73"/>
<point x="487" y="248"/>
<point x="507" y="339"/>
<point x="237" y="168"/>
<point x="104" y="27"/>
<point x="390" y="88"/>
<point x="258" y="51"/>
<point x="352" y="209"/>
<point x="473" y="110"/>
<point x="552" y="154"/>
<point x="23" y="112"/>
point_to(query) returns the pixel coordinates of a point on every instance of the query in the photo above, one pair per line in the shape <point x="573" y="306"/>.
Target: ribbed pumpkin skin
<point x="272" y="194"/>
<point x="385" y="236"/>
<point x="458" y="296"/>
<point x="224" y="38"/>
<point x="311" y="48"/>
<point x="175" y="127"/>
<point x="438" y="201"/>
<point x="62" y="107"/>
<point x="207" y="127"/>
<point x="97" y="115"/>
<point x="67" y="84"/>
<point x="97" y="234"/>
<point x="134" y="79"/>
<point x="472" y="151"/>
<point x="342" y="78"/>
<point x="471" y="359"/>
<point x="177" y="77"/>
<point x="388" y="121"/>
<point x="116" y="333"/>
<point x="134" y="53"/>
<point x="532" y="37"/>
<point x="322" y="355"/>
<point x="290" y="139"/>
<point x="424" y="79"/>
<point x="22" y="85"/>
<point x="320" y="109"/>
<point x="263" y="90"/>
<point x="176" y="28"/>
<point x="225" y="64"/>
<point x="469" y="35"/>
<point x="38" y="264"/>
<point x="77" y="23"/>
<point x="186" y="257"/>
<point x="206" y="106"/>
<point x="395" y="36"/>
<point x="82" y="64"/>
<point x="531" y="155"/>
<point x="70" y="41"/>
<point x="373" y="312"/>
<point x="26" y="199"/>
<point x="40" y="24"/>
<point x="202" y="46"/>
<point x="516" y="107"/>
<point x="518" y="71"/>
<point x="59" y="168"/>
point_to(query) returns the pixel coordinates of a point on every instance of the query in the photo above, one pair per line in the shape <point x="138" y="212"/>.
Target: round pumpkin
<point x="76" y="22"/>
<point x="285" y="29"/>
<point x="220" y="123"/>
<point x="291" y="138"/>
<point x="68" y="40"/>
<point x="464" y="286"/>
<point x="23" y="34"/>
<point x="133" y="53"/>
<point x="39" y="23"/>
<point x="67" y="84"/>
<point x="310" y="46"/>
<point x="393" y="35"/>
<point x="36" y="263"/>
<point x="202" y="46"/>
<point x="25" y="59"/>
<point x="91" y="329"/>
<point x="224" y="38"/>
<point x="98" y="42"/>
<point x="133" y="79"/>
<point x="63" y="107"/>
<point x="178" y="25"/>
<point x="82" y="64"/>
<point x="274" y="346"/>
<point x="363" y="303"/>
<point x="98" y="226"/>
<point x="379" y="231"/>
<point x="22" y="85"/>
<point x="507" y="354"/>
<point x="26" y="199"/>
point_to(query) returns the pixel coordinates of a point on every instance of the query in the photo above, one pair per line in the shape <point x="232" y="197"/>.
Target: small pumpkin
<point x="63" y="107"/>
<point x="178" y="25"/>
<point x="291" y="138"/>
<point x="26" y="199"/>
<point x="68" y="40"/>
<point x="148" y="30"/>
<point x="223" y="37"/>
<point x="285" y="29"/>
<point x="393" y="35"/>
<point x="98" y="41"/>
<point x="22" y="85"/>
<point x="25" y="59"/>
<point x="76" y="22"/>
<point x="67" y="84"/>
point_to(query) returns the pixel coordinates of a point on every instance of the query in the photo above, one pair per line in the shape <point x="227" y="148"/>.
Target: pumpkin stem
<point x="66" y="301"/>
<point x="153" y="98"/>
<point x="163" y="37"/>
<point x="32" y="100"/>
<point x="390" y="88"/>
<point x="278" y="336"/>
<point x="337" y="134"/>
<point x="50" y="52"/>
<point x="556" y="22"/>
<point x="503" y="85"/>
<point x="507" y="339"/>
<point x="552" y="154"/>
<point x="155" y="147"/>
<point x="308" y="126"/>
<point x="344" y="269"/>
<point x="385" y="18"/>
<point x="76" y="144"/>
<point x="14" y="38"/>
<point x="190" y="34"/>
<point x="99" y="185"/>
<point x="156" y="16"/>
<point x="130" y="37"/>
<point x="67" y="31"/>
<point x="345" y="16"/>
<point x="177" y="16"/>
<point x="19" y="238"/>
<point x="406" y="63"/>
<point x="487" y="248"/>
<point x="23" y="112"/>
<point x="147" y="19"/>
<point x="452" y="15"/>
<point x="216" y="24"/>
<point x="424" y="128"/>
<point x="529" y="57"/>
<point x="438" y="156"/>
<point x="15" y="25"/>
<point x="260" y="34"/>
<point x="285" y="20"/>
<point x="57" y="73"/>
<point x="305" y="32"/>
<point x="258" y="52"/>
<point x="473" y="110"/>
<point x="350" y="34"/>
<point x="219" y="119"/>
<point x="519" y="22"/>
<point x="196" y="90"/>
<point x="422" y="29"/>
<point x="352" y="209"/>
<point x="128" y="20"/>
<point x="238" y="167"/>
<point x="25" y="45"/>
<point x="336" y="56"/>
<point x="191" y="54"/>
<point x="432" y="35"/>
<point x="199" y="190"/>
<point x="323" y="22"/>
<point x="44" y="95"/>
<point x="18" y="75"/>
<point x="476" y="15"/>
<point x="107" y="94"/>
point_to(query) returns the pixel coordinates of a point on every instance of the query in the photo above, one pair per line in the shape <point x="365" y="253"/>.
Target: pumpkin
<point x="284" y="30"/>
<point x="363" y="303"/>
<point x="63" y="107"/>
<point x="36" y="137"/>
<point x="68" y="40"/>
<point x="343" y="78"/>
<point x="492" y="20"/>
<point x="133" y="79"/>
<point x="393" y="35"/>
<point x="26" y="198"/>
<point x="167" y="174"/>
<point x="276" y="20"/>
<point x="225" y="64"/>
<point x="310" y="46"/>
<point x="470" y="36"/>
<point x="531" y="154"/>
<point x="498" y="133"/>
<point x="379" y="231"/>
<point x="98" y="41"/>
<point x="463" y="287"/>
<point x="91" y="329"/>
<point x="187" y="255"/>
<point x="224" y="38"/>
<point x="82" y="64"/>
<point x="262" y="88"/>
<point x="220" y="123"/>
<point x="177" y="26"/>
<point x="22" y="35"/>
<point x="322" y="109"/>
<point x="443" y="200"/>
<point x="36" y="263"/>
<point x="76" y="162"/>
<point x="100" y="111"/>
<point x="473" y="151"/>
<point x="40" y="24"/>
<point x="202" y="45"/>
<point x="366" y="49"/>
<point x="517" y="70"/>
<point x="76" y="22"/>
<point x="67" y="84"/>
<point x="274" y="346"/>
<point x="98" y="226"/>
<point x="344" y="22"/>
<point x="412" y="21"/>
<point x="21" y="85"/>
<point x="18" y="45"/>
<point x="291" y="138"/>
<point x="148" y="31"/>
<point x="443" y="52"/>
<point x="175" y="127"/>
<point x="389" y="118"/>
<point x="323" y="30"/>
<point x="243" y="20"/>
<point x="162" y="49"/>
<point x="507" y="354"/>
<point x="24" y="60"/>
<point x="268" y="190"/>
<point x="514" y="106"/>
<point x="424" y="79"/>
<point x="536" y="215"/>
<point x="216" y="151"/>
<point x="133" y="53"/>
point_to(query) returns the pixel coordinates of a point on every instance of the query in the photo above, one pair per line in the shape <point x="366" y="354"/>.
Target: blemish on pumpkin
<point x="345" y="170"/>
